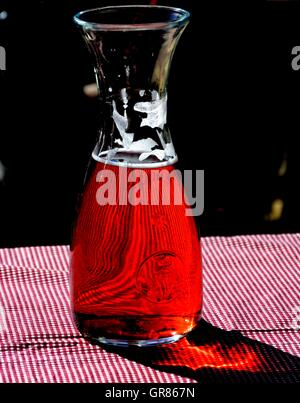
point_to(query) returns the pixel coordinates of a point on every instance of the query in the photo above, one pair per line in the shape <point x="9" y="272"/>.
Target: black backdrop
<point x="231" y="88"/>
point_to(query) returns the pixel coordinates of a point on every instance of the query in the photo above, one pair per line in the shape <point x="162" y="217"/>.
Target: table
<point x="249" y="332"/>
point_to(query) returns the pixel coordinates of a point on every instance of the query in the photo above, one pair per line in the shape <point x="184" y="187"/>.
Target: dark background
<point x="232" y="92"/>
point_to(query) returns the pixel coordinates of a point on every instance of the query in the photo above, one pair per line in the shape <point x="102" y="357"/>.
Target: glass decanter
<point x="135" y="255"/>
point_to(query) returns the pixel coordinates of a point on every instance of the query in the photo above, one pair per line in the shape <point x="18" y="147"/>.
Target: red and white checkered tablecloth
<point x="251" y="307"/>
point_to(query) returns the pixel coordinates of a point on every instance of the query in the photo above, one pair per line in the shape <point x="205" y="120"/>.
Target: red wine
<point x="135" y="269"/>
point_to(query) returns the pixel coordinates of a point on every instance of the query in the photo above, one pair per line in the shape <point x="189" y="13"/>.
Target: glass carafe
<point x="135" y="255"/>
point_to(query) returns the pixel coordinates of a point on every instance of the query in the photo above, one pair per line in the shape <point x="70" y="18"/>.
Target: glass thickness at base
<point x="140" y="332"/>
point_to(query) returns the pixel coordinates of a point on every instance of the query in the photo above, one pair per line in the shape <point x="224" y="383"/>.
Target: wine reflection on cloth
<point x="212" y="355"/>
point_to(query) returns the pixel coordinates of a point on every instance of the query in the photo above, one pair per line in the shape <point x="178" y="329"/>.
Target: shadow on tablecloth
<point x="214" y="356"/>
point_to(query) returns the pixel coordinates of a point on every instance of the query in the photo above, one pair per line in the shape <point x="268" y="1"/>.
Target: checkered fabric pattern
<point x="251" y="285"/>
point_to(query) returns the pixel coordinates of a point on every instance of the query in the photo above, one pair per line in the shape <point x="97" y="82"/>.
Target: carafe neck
<point x="132" y="63"/>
